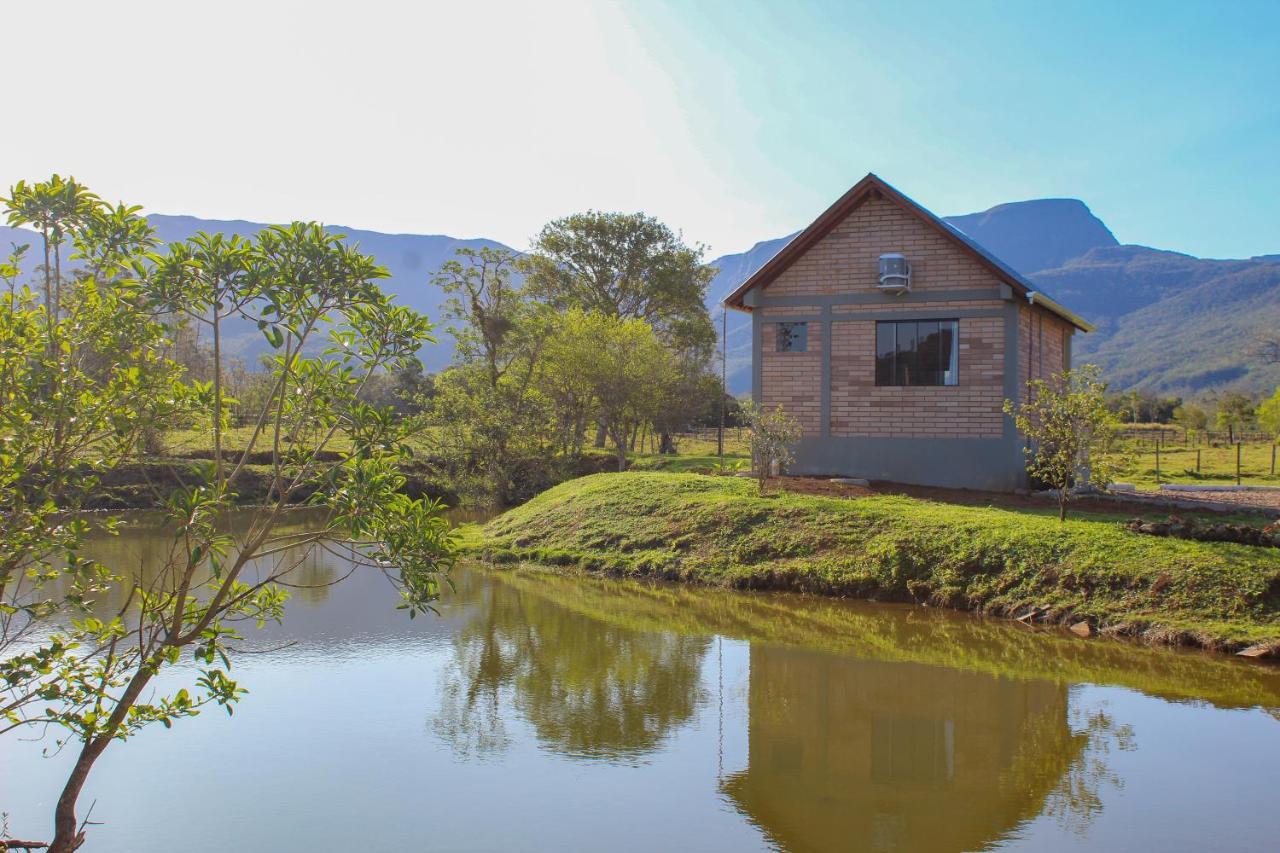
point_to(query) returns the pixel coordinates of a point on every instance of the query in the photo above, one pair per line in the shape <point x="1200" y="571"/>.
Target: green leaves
<point x="85" y="379"/>
<point x="1070" y="430"/>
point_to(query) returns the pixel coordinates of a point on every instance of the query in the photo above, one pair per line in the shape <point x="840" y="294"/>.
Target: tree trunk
<point x="666" y="443"/>
<point x="619" y="436"/>
<point x="601" y="430"/>
<point x="67" y="836"/>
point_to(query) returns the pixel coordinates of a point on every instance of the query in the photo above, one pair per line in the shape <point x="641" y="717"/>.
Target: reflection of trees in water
<point x="143" y="548"/>
<point x="589" y="688"/>
<point x="1076" y="800"/>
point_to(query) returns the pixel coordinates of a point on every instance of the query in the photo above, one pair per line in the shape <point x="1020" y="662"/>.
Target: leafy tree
<point x="489" y="307"/>
<point x="1235" y="413"/>
<point x="92" y="675"/>
<point x="1189" y="416"/>
<point x="773" y="433"/>
<point x="1269" y="414"/>
<point x="82" y="386"/>
<point x="1069" y="429"/>
<point x="55" y="208"/>
<point x="488" y="403"/>
<point x="628" y="266"/>
<point x="619" y="365"/>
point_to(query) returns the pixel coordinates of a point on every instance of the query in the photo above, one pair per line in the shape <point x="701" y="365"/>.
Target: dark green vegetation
<point x="717" y="530"/>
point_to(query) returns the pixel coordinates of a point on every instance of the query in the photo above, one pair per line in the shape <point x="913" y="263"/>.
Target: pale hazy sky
<point x="732" y="121"/>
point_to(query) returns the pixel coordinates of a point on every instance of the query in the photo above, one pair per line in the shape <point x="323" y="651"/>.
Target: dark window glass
<point x="886" y="344"/>
<point x="904" y="372"/>
<point x="929" y="366"/>
<point x="793" y="337"/>
<point x="917" y="352"/>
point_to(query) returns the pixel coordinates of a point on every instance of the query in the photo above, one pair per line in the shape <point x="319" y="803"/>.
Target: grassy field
<point x="718" y="530"/>
<point x="1205" y="464"/>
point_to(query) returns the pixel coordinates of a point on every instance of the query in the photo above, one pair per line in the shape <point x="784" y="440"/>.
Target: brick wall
<point x="846" y="261"/>
<point x="971" y="409"/>
<point x="848" y="258"/>
<point x="1042" y="343"/>
<point x="794" y="379"/>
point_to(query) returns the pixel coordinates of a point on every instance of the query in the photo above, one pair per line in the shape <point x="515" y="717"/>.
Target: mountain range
<point x="1167" y="322"/>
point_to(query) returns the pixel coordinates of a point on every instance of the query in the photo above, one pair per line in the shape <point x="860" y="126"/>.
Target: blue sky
<point x="733" y="121"/>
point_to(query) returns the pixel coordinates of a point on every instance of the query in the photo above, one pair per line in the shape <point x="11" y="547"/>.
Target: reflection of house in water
<point x="850" y="754"/>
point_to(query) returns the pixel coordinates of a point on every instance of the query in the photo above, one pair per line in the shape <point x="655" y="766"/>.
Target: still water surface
<point x="545" y="712"/>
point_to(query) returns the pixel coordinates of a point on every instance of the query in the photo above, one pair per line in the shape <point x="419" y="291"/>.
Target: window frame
<point x="894" y="372"/>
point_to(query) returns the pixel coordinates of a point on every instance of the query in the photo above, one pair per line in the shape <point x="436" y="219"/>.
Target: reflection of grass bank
<point x="904" y="634"/>
<point x="142" y="485"/>
<point x="1002" y="561"/>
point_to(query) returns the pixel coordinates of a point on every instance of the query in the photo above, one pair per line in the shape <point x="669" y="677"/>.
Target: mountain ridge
<point x="1167" y="321"/>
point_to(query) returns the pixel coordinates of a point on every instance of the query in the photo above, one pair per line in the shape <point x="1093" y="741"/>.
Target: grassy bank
<point x="717" y="530"/>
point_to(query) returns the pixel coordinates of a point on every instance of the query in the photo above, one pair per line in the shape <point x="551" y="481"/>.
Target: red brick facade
<point x="827" y="277"/>
<point x="846" y="261"/>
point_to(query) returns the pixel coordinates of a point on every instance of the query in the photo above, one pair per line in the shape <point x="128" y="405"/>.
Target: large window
<point x="917" y="352"/>
<point x="793" y="337"/>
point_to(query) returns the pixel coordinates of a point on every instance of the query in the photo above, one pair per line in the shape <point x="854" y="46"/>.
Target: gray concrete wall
<point x="994" y="464"/>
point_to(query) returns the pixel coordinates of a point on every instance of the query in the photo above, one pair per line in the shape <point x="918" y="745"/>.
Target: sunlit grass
<point x="719" y="530"/>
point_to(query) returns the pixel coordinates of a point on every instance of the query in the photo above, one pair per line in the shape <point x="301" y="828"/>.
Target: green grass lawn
<point x="186" y="441"/>
<point x="718" y="530"/>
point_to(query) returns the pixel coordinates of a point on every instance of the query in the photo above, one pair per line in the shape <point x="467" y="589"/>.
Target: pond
<point x="551" y="712"/>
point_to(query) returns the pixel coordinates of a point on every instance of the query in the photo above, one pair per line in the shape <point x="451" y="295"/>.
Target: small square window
<point x="793" y="337"/>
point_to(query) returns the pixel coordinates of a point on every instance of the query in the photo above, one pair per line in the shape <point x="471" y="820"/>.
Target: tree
<point x="490" y="307"/>
<point x="1070" y="432"/>
<point x="82" y="386"/>
<point x="624" y="265"/>
<point x="619" y="365"/>
<point x="628" y="266"/>
<point x="1235" y="413"/>
<point x="55" y="208"/>
<point x="773" y="433"/>
<point x="92" y="676"/>
<point x="1269" y="414"/>
<point x="1191" y="417"/>
<point x="488" y="404"/>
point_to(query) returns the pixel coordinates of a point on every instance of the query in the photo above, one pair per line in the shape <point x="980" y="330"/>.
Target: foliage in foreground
<point x="73" y="662"/>
<point x="717" y="530"/>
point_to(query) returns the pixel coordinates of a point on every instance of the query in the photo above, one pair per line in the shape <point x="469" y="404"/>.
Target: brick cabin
<point x="894" y="340"/>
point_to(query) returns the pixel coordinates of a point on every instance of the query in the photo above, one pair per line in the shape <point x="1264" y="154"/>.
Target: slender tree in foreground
<point x="1070" y="432"/>
<point x="773" y="434"/>
<point x="94" y="673"/>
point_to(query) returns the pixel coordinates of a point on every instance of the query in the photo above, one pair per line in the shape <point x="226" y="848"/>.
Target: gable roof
<point x="872" y="186"/>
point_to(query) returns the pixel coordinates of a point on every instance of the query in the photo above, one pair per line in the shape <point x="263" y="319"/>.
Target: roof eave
<point x="1035" y="297"/>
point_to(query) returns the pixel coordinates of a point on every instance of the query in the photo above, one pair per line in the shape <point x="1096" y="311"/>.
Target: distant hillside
<point x="1167" y="322"/>
<point x="1195" y="332"/>
<point x="1037" y="235"/>
<point x="411" y="259"/>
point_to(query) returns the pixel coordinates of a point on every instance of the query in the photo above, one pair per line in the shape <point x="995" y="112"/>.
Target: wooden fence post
<point x="1157" y="464"/>
<point x="1273" y="460"/>
<point x="1197" y="460"/>
<point x="1237" y="463"/>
